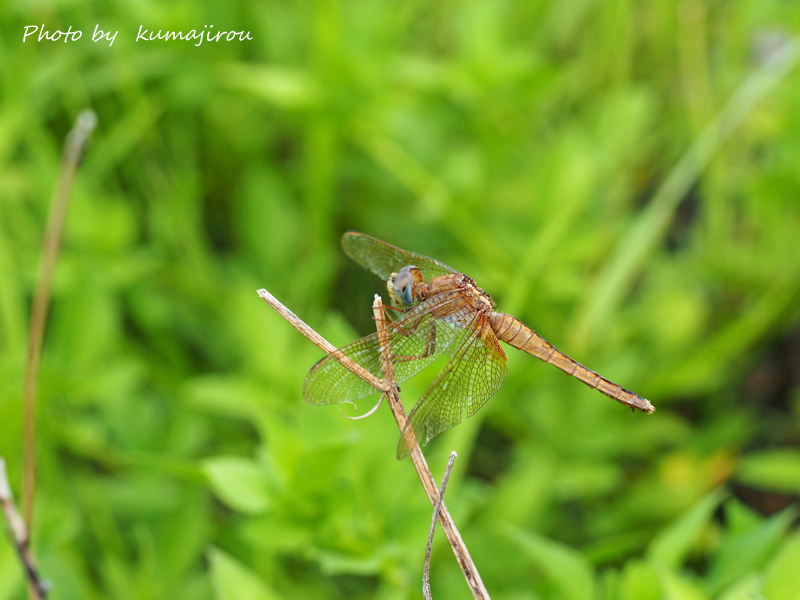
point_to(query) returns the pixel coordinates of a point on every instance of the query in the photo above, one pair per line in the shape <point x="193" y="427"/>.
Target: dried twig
<point x="424" y="473"/>
<point x="388" y="386"/>
<point x="426" y="583"/>
<point x="320" y="341"/>
<point x="21" y="540"/>
<point x="73" y="149"/>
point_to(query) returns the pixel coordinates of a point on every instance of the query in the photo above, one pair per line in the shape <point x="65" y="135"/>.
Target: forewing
<point x="475" y="372"/>
<point x="384" y="259"/>
<point x="329" y="382"/>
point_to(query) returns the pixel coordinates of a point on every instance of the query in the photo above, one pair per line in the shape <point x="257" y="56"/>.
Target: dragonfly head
<point x="406" y="286"/>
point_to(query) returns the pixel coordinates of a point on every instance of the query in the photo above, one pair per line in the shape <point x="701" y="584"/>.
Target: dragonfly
<point x="440" y="312"/>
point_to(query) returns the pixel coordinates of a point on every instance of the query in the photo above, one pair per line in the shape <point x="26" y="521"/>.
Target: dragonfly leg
<point x="387" y="316"/>
<point x="396" y="308"/>
<point x="430" y="344"/>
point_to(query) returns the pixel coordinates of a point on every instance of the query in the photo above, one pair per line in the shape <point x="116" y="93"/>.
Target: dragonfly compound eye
<point x="403" y="286"/>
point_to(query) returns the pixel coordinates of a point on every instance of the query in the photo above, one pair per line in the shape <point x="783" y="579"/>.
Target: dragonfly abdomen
<point x="515" y="333"/>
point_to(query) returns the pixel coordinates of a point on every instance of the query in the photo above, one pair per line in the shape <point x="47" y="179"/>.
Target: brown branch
<point x="321" y="342"/>
<point x="426" y="582"/>
<point x="70" y="158"/>
<point x="388" y="386"/>
<point x="448" y="526"/>
<point x="37" y="586"/>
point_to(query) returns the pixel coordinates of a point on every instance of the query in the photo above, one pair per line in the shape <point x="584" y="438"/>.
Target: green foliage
<point x="671" y="546"/>
<point x="569" y="572"/>
<point x="621" y="176"/>
<point x="231" y="580"/>
<point x="772" y="469"/>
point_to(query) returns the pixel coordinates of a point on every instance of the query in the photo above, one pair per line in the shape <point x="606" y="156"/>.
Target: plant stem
<point x="388" y="386"/>
<point x="70" y="158"/>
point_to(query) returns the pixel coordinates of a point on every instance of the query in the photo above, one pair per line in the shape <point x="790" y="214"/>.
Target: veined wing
<point x="384" y="259"/>
<point x="416" y="339"/>
<point x="475" y="372"/>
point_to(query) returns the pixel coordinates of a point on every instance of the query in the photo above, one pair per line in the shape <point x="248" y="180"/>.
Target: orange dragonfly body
<point x="442" y="312"/>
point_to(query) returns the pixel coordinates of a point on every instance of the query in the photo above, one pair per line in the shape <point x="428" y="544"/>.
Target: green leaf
<point x="777" y="470"/>
<point x="782" y="575"/>
<point x="275" y="533"/>
<point x="741" y="554"/>
<point x="740" y="518"/>
<point x="286" y="88"/>
<point x="567" y="569"/>
<point x="231" y="580"/>
<point x="336" y="563"/>
<point x="677" y="587"/>
<point x="640" y="581"/>
<point x="229" y="396"/>
<point x="747" y="588"/>
<point x="673" y="544"/>
<point x="10" y="570"/>
<point x="609" y="583"/>
<point x="238" y="482"/>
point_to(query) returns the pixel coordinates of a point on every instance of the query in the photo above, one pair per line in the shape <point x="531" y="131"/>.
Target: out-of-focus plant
<point x="523" y="143"/>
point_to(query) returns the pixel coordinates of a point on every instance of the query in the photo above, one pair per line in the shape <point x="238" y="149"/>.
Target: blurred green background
<point x="621" y="176"/>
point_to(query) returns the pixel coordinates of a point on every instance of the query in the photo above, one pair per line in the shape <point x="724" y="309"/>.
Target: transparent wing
<point x="416" y="339"/>
<point x="475" y="372"/>
<point x="384" y="259"/>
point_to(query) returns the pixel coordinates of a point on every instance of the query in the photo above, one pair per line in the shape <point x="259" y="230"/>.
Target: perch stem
<point x="388" y="387"/>
<point x="425" y="476"/>
<point x="36" y="586"/>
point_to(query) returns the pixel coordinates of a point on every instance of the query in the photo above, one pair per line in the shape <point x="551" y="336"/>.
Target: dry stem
<point x="426" y="583"/>
<point x="37" y="587"/>
<point x="388" y="386"/>
<point x="73" y="149"/>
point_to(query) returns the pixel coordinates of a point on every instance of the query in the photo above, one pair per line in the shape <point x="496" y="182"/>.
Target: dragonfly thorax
<point x="463" y="286"/>
<point x="483" y="301"/>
